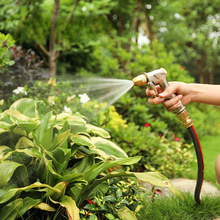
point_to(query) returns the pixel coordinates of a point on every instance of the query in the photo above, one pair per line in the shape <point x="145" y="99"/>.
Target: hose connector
<point x="185" y="119"/>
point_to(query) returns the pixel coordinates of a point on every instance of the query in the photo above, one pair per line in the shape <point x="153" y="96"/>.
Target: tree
<point x="191" y="30"/>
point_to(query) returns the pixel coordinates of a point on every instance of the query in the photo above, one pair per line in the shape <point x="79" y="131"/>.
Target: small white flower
<point x="84" y="98"/>
<point x="67" y="110"/>
<point x="20" y="90"/>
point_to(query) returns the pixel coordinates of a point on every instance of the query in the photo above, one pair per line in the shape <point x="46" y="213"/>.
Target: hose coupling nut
<point x="185" y="119"/>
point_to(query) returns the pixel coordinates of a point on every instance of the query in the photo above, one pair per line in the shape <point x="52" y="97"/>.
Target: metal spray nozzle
<point x="140" y="80"/>
<point x="158" y="77"/>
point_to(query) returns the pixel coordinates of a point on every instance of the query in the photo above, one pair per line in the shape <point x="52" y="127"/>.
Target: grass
<point x="173" y="208"/>
<point x="211" y="148"/>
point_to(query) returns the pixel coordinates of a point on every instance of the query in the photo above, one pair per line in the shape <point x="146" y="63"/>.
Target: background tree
<point x="191" y="31"/>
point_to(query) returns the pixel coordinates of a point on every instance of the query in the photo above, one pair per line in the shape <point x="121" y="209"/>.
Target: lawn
<point x="173" y="208"/>
<point x="211" y="148"/>
<point x="170" y="208"/>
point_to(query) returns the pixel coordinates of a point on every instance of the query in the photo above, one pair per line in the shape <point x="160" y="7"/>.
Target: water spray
<point x="158" y="77"/>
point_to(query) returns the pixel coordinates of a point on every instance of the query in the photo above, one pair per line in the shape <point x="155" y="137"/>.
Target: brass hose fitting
<point x="185" y="119"/>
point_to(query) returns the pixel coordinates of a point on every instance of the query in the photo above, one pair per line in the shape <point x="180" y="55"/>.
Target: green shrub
<point x="152" y="143"/>
<point x="6" y="42"/>
<point x="56" y="162"/>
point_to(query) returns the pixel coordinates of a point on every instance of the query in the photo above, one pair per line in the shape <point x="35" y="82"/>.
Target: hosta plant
<point x="51" y="164"/>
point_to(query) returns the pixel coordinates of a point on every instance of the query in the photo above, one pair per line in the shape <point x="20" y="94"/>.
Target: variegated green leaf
<point x="126" y="214"/>
<point x="97" y="131"/>
<point x="70" y="205"/>
<point x="108" y="147"/>
<point x="81" y="140"/>
<point x="7" y="170"/>
<point x="24" y="142"/>
<point x="26" y="106"/>
<point x="4" y="127"/>
<point x="96" y="169"/>
<point x="45" y="207"/>
<point x="7" y="193"/>
<point x="3" y="148"/>
<point x="157" y="179"/>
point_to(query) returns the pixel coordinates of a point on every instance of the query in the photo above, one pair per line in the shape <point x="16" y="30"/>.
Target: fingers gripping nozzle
<point x="158" y="77"/>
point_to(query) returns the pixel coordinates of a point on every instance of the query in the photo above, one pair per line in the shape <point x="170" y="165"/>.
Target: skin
<point x="187" y="93"/>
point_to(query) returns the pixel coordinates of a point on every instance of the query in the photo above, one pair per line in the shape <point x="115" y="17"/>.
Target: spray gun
<point x="158" y="77"/>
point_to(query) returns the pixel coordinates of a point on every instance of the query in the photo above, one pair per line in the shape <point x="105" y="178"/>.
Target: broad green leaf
<point x="40" y="131"/>
<point x="60" y="139"/>
<point x="108" y="147"/>
<point x="28" y="126"/>
<point x="157" y="179"/>
<point x="11" y="210"/>
<point x="6" y="194"/>
<point x="97" y="131"/>
<point x="28" y="203"/>
<point x="4" y="127"/>
<point x="47" y="138"/>
<point x="72" y="119"/>
<point x="126" y="214"/>
<point x="7" y="170"/>
<point x="45" y="207"/>
<point x="70" y="205"/>
<point x="15" y="115"/>
<point x="3" y="148"/>
<point x="55" y="195"/>
<point x="73" y="177"/>
<point x="84" y="165"/>
<point x="97" y="168"/>
<point x="24" y="142"/>
<point x="26" y="106"/>
<point x="81" y="140"/>
<point x="32" y="152"/>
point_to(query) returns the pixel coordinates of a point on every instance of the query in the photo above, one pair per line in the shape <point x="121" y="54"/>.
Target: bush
<point x="57" y="162"/>
<point x="155" y="143"/>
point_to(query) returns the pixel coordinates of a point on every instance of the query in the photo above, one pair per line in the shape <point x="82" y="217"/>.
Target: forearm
<point x="205" y="93"/>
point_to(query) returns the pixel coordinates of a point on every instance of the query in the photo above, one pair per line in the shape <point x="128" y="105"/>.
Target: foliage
<point x="25" y="69"/>
<point x="53" y="161"/>
<point x="171" y="208"/>
<point x="155" y="143"/>
<point x="6" y="42"/>
<point x="191" y="32"/>
<point x="121" y="195"/>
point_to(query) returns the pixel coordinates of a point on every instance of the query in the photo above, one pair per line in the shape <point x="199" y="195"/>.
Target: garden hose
<point x="158" y="77"/>
<point x="200" y="163"/>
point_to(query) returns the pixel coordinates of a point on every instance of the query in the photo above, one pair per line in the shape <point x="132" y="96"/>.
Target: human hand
<point x="180" y="89"/>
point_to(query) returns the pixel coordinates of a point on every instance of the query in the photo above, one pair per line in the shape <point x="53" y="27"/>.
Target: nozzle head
<point x="140" y="80"/>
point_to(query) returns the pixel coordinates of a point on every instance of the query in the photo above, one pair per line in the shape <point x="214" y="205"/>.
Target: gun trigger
<point x="153" y="87"/>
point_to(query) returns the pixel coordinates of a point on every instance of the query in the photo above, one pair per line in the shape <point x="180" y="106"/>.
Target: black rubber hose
<point x="200" y="163"/>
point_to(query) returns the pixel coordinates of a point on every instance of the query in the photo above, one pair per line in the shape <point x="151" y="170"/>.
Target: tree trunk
<point x="52" y="43"/>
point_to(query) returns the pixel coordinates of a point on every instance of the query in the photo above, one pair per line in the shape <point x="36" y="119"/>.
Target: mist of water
<point x="101" y="89"/>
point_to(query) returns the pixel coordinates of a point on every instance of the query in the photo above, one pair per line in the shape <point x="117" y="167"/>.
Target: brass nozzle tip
<point x="140" y="80"/>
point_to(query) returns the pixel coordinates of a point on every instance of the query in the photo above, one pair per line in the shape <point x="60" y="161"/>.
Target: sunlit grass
<point x="173" y="208"/>
<point x="211" y="148"/>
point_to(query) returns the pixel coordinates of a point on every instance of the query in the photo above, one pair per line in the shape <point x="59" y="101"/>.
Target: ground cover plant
<point x="55" y="163"/>
<point x="172" y="208"/>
